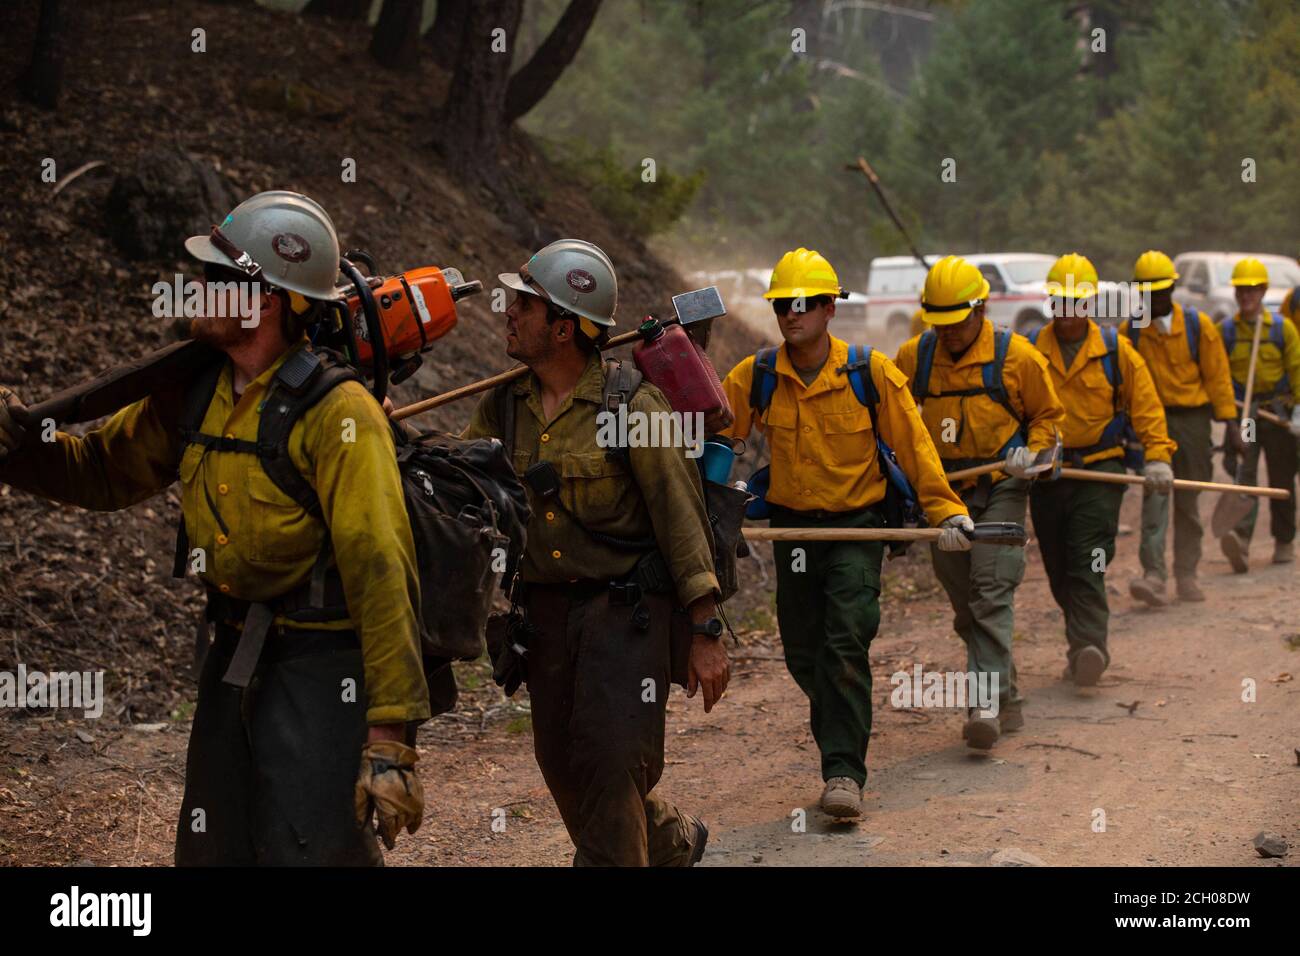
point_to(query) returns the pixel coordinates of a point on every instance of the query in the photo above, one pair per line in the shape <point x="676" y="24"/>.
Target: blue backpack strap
<point x="1110" y="361"/>
<point x="1134" y="333"/>
<point x="1032" y="335"/>
<point x="1192" y="326"/>
<point x="858" y="370"/>
<point x="924" y="363"/>
<point x="763" y="384"/>
<point x="993" y="382"/>
<point x="1277" y="332"/>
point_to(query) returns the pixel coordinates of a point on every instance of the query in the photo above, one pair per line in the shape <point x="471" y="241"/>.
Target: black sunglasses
<point x="783" y="307"/>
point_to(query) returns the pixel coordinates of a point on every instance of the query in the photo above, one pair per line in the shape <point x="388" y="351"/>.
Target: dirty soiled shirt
<point x="661" y="498"/>
<point x="343" y="446"/>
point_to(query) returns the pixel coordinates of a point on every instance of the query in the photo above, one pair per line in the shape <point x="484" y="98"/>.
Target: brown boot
<point x="1088" y="666"/>
<point x="1149" y="589"/>
<point x="1236" y="551"/>
<point x="842" y="798"/>
<point x="1010" y="717"/>
<point x="1284" y="552"/>
<point x="980" y="733"/>
<point x="1189" y="590"/>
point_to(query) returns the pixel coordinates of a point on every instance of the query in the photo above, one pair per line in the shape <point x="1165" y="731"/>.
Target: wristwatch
<point x="710" y="628"/>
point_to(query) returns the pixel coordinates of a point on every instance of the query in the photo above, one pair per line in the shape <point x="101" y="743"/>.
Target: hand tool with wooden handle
<point x="989" y="532"/>
<point x="1231" y="509"/>
<point x="702" y="305"/>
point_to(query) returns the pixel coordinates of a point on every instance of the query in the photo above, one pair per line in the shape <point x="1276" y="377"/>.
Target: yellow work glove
<point x="11" y="433"/>
<point x="388" y="786"/>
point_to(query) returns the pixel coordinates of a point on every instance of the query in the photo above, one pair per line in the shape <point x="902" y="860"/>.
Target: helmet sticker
<point x="291" y="247"/>
<point x="581" y="281"/>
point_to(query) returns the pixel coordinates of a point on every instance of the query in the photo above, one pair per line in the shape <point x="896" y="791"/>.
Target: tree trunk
<point x="396" y="40"/>
<point x="538" y="75"/>
<point x="338" y="9"/>
<point x="473" y="120"/>
<point x="447" y="30"/>
<point x="42" y="81"/>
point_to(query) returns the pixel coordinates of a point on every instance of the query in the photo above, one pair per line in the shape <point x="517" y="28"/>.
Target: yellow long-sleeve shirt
<point x="343" y="445"/>
<point x="822" y="446"/>
<point x="1181" y="381"/>
<point x="1272" y="363"/>
<point x="1089" y="399"/>
<point x="974" y="428"/>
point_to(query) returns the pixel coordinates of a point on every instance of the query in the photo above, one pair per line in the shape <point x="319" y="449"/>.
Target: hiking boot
<point x="701" y="841"/>
<point x="842" y="798"/>
<point x="1284" y="552"/>
<point x="980" y="733"/>
<point x="1189" y="590"/>
<point x="1010" y="717"/>
<point x="1149" y="589"/>
<point x="1088" y="665"/>
<point x="1236" y="551"/>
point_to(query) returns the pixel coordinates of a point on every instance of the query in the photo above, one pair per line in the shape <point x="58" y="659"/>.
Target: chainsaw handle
<point x="373" y="327"/>
<point x="999" y="532"/>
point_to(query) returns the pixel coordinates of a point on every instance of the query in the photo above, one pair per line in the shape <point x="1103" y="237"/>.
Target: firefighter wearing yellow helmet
<point x="1109" y="398"/>
<point x="817" y="399"/>
<point x="1277" y="388"/>
<point x="1184" y="353"/>
<point x="985" y="396"/>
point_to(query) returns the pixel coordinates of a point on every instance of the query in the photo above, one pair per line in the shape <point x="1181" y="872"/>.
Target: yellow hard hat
<point x="1072" y="276"/>
<point x="952" y="288"/>
<point x="1249" y="272"/>
<point x="1154" y="271"/>
<point x="803" y="273"/>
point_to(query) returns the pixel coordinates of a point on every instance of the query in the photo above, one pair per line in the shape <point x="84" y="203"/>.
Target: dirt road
<point x="1181" y="768"/>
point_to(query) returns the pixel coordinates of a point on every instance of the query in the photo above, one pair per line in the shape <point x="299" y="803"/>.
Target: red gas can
<point x="672" y="362"/>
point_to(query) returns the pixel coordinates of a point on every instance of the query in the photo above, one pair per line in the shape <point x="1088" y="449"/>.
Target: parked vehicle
<point x="1017" y="292"/>
<point x="1204" y="280"/>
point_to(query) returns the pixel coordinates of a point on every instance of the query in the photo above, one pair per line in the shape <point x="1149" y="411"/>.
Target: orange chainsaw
<point x="383" y="323"/>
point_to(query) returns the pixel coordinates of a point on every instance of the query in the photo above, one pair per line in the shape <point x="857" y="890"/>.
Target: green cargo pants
<point x="828" y="609"/>
<point x="1076" y="523"/>
<point x="1190" y="427"/>
<point x="1279" y="447"/>
<point x="981" y="585"/>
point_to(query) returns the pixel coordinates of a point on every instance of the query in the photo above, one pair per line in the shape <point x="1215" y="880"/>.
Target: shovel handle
<point x="992" y="532"/>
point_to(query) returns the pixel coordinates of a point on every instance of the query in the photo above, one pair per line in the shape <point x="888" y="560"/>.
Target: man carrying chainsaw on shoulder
<point x="825" y="407"/>
<point x="986" y="397"/>
<point x="1110" y="403"/>
<point x="618" y="539"/>
<point x="307" y="692"/>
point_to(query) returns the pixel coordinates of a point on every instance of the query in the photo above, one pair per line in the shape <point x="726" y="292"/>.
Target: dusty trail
<point x="1188" y="777"/>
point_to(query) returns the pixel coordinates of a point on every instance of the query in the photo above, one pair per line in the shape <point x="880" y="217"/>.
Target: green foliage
<point x="622" y="192"/>
<point x="1058" y="145"/>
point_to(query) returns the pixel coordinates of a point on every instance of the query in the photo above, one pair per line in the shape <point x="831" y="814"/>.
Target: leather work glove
<point x="1159" y="477"/>
<point x="11" y="433"/>
<point x="1018" y="459"/>
<point x="953" y="537"/>
<point x="1295" y="421"/>
<point x="388" y="786"/>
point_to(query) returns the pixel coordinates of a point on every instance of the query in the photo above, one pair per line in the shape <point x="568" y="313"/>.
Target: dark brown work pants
<point x="599" y="688"/>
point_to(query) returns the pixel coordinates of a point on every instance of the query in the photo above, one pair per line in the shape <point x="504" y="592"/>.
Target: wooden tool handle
<point x="1265" y="415"/>
<point x="975" y="472"/>
<point x="1114" y="478"/>
<point x="842" y="534"/>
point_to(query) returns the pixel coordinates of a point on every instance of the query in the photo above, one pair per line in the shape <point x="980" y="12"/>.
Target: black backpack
<point x="467" y="509"/>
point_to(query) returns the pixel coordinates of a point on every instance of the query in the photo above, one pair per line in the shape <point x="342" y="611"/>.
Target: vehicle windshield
<point x="1027" y="270"/>
<point x="896" y="280"/>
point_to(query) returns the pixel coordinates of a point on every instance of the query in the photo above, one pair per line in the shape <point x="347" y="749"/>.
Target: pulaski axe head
<point x="697" y="310"/>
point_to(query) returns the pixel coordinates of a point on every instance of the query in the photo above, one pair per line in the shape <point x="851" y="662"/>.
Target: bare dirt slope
<point x="1185" y="772"/>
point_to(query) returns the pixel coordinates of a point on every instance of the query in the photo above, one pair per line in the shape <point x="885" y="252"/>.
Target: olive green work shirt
<point x="662" y="496"/>
<point x="343" y="446"/>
